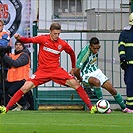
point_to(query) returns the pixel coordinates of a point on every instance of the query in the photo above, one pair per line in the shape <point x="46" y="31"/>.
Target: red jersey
<point x="49" y="51"/>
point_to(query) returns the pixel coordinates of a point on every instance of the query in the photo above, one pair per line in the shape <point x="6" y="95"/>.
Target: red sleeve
<point x="36" y="39"/>
<point x="73" y="59"/>
<point x="70" y="51"/>
<point x="27" y="40"/>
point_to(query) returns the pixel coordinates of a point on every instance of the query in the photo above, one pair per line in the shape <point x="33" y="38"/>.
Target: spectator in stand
<point x="4" y="35"/>
<point x="4" y="42"/>
<point x="18" y="72"/>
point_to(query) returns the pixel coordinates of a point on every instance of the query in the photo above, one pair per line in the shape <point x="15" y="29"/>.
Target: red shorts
<point x="59" y="76"/>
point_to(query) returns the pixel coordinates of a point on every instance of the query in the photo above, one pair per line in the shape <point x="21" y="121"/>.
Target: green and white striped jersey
<point x="86" y="60"/>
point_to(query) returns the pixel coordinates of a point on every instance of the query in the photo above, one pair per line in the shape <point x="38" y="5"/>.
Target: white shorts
<point x="97" y="74"/>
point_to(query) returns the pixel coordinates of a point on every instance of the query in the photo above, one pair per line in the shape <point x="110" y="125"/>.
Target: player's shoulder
<point x="85" y="48"/>
<point x="44" y="35"/>
<point x="62" y="41"/>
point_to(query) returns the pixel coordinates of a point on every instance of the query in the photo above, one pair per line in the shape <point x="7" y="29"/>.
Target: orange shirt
<point x="20" y="73"/>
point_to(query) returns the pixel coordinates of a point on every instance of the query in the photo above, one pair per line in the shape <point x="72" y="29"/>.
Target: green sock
<point x="119" y="100"/>
<point x="98" y="92"/>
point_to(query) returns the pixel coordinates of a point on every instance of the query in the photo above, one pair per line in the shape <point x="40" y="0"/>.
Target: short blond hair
<point x="55" y="26"/>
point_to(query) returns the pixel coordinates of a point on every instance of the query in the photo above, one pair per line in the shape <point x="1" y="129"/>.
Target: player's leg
<point x="105" y="83"/>
<point x="98" y="92"/>
<point x="82" y="93"/>
<point x="14" y="87"/>
<point x="16" y="97"/>
<point x="28" y="85"/>
<point x="60" y="76"/>
<point x="96" y="85"/>
<point x="36" y="79"/>
<point x="108" y="86"/>
<point x="97" y="88"/>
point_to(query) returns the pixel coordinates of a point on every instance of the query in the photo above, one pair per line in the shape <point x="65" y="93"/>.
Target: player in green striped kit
<point x="88" y="72"/>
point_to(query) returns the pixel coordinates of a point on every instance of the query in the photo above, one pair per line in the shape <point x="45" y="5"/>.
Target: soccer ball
<point x="103" y="106"/>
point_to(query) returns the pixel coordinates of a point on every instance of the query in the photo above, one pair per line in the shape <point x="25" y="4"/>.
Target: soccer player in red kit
<point x="50" y="47"/>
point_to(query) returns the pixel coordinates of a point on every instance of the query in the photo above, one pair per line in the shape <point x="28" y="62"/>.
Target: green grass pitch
<point x="65" y="121"/>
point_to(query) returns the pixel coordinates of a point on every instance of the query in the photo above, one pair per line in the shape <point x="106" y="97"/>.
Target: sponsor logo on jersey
<point x="51" y="50"/>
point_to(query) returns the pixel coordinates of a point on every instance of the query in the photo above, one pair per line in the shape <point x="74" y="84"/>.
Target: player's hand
<point x="80" y="79"/>
<point x="72" y="71"/>
<point x="17" y="36"/>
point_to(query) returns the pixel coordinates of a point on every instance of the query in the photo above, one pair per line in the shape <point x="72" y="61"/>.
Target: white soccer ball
<point x="103" y="106"/>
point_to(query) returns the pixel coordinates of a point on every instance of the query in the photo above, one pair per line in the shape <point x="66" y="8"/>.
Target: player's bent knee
<point x="24" y="89"/>
<point x="73" y="83"/>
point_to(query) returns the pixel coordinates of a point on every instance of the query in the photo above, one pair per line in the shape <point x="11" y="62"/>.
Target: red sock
<point x="14" y="99"/>
<point x="83" y="95"/>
